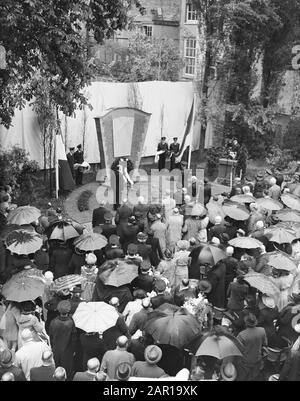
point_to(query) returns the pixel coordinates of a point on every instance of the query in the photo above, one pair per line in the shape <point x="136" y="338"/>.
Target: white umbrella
<point x="95" y="317"/>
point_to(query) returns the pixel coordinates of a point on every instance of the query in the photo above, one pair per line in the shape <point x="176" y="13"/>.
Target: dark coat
<point x="75" y="263"/>
<point x="217" y="231"/>
<point x="111" y="335"/>
<point x="71" y="162"/>
<point x="104" y="293"/>
<point x="237" y="293"/>
<point x="156" y="252"/>
<point x="98" y="216"/>
<point x="78" y="157"/>
<point x="17" y="372"/>
<point x="207" y="193"/>
<point x="139" y="320"/>
<point x="216" y="277"/>
<point x="59" y="261"/>
<point x="284" y="321"/>
<point x="113" y="253"/>
<point x="62" y="333"/>
<point x="41" y="259"/>
<point x="92" y="346"/>
<point x="231" y="264"/>
<point x="83" y="377"/>
<point x="123" y="213"/>
<point x="266" y="320"/>
<point x="144" y="282"/>
<point x="160" y="300"/>
<point x="42" y="374"/>
<point x="128" y="235"/>
<point x="108" y="230"/>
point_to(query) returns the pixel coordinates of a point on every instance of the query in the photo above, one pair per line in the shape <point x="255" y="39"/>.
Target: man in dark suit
<point x="98" y="214"/>
<point x="174" y="149"/>
<point x="123" y="213"/>
<point x="113" y="250"/>
<point x="70" y="157"/>
<point x="89" y="375"/>
<point x="79" y="159"/>
<point x="161" y="298"/>
<point x="144" y="281"/>
<point x="92" y="346"/>
<point x="156" y="252"/>
<point x="128" y="233"/>
<point x="59" y="260"/>
<point x="162" y="147"/>
<point x="45" y="372"/>
<point x="207" y="191"/>
<point x="108" y="229"/>
<point x="217" y="230"/>
<point x="139" y="319"/>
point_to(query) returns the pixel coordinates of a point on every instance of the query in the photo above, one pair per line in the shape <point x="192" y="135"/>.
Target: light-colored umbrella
<point x="24" y="286"/>
<point x="66" y="282"/>
<point x="292" y="201"/>
<point x="295" y="227"/>
<point x="288" y="215"/>
<point x="281" y="261"/>
<point x="262" y="283"/>
<point x="218" y="346"/>
<point x="236" y="211"/>
<point x="23" y="242"/>
<point x="245" y="243"/>
<point x="243" y="199"/>
<point x="95" y="317"/>
<point x="23" y="215"/>
<point x="90" y="241"/>
<point x="280" y="235"/>
<point x="269" y="204"/>
<point x="63" y="231"/>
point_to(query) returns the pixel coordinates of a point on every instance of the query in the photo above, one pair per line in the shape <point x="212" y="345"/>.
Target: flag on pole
<point x="64" y="179"/>
<point x="187" y="141"/>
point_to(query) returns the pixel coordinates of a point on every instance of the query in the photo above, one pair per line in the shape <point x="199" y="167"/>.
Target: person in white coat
<point x="175" y="225"/>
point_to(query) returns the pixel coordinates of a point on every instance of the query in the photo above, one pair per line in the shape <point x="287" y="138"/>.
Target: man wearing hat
<point x="75" y="298"/>
<point x="123" y="372"/>
<point x="108" y="229"/>
<point x="268" y="314"/>
<point x="71" y="160"/>
<point x="113" y="249"/>
<point x="128" y="233"/>
<point x="113" y="358"/>
<point x="99" y="214"/>
<point x="160" y="231"/>
<point x="174" y="152"/>
<point x="79" y="159"/>
<point x="144" y="250"/>
<point x="162" y="151"/>
<point x="139" y="319"/>
<point x="228" y="372"/>
<point x="161" y="298"/>
<point x="259" y="185"/>
<point x="123" y="213"/>
<point x="149" y="368"/>
<point x="7" y="358"/>
<point x="63" y="337"/>
<point x="132" y="255"/>
<point x="156" y="252"/>
<point x="145" y="279"/>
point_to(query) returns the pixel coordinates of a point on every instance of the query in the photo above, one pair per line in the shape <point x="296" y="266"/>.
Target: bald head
<point x="114" y="302"/>
<point x="229" y="250"/>
<point x="93" y="365"/>
<point x="47" y="358"/>
<point x="60" y="374"/>
<point x="8" y="377"/>
<point x="122" y="342"/>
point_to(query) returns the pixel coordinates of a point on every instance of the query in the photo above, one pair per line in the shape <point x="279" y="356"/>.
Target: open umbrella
<point x="280" y="234"/>
<point x="245" y="243"/>
<point x="118" y="272"/>
<point x="8" y="229"/>
<point x="243" y="199"/>
<point x="95" y="317"/>
<point x="288" y="215"/>
<point x="198" y="210"/>
<point x="63" y="230"/>
<point x="236" y="211"/>
<point x="172" y="325"/>
<point x="210" y="254"/>
<point x="269" y="204"/>
<point x="66" y="282"/>
<point x="262" y="283"/>
<point x="23" y="242"/>
<point x="218" y="346"/>
<point x="281" y="261"/>
<point x="295" y="227"/>
<point x="90" y="242"/>
<point x="292" y="201"/>
<point x="24" y="286"/>
<point x="214" y="209"/>
<point x="23" y="215"/>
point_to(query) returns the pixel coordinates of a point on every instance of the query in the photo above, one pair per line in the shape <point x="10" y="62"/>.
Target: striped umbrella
<point x="23" y="242"/>
<point x="64" y="230"/>
<point x="66" y="282"/>
<point x="23" y="215"/>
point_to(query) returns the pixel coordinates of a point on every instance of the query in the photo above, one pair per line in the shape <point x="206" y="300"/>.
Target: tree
<point x="48" y="38"/>
<point x="145" y="59"/>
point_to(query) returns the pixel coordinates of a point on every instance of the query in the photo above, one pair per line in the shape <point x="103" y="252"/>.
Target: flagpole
<point x="192" y="133"/>
<point x="56" y="159"/>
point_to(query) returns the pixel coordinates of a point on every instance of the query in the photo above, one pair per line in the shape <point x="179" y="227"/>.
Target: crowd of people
<point x="181" y="251"/>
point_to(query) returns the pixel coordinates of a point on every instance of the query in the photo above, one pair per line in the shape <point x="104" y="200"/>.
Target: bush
<point x="212" y="160"/>
<point x="83" y="200"/>
<point x="279" y="159"/>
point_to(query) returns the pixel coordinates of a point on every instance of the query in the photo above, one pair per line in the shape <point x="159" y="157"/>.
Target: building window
<point x="148" y="30"/>
<point x="191" y="13"/>
<point x="190" y="56"/>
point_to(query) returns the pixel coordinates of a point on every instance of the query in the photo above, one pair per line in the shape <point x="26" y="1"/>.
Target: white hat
<point x="230" y="250"/>
<point x="215" y="240"/>
<point x="91" y="258"/>
<point x="218" y="220"/>
<point x="297" y="328"/>
<point x="268" y="302"/>
<point x="260" y="225"/>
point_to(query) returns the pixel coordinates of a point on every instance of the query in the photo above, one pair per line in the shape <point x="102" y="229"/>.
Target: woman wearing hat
<point x="167" y="268"/>
<point x="89" y="273"/>
<point x="27" y="319"/>
<point x="182" y="261"/>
